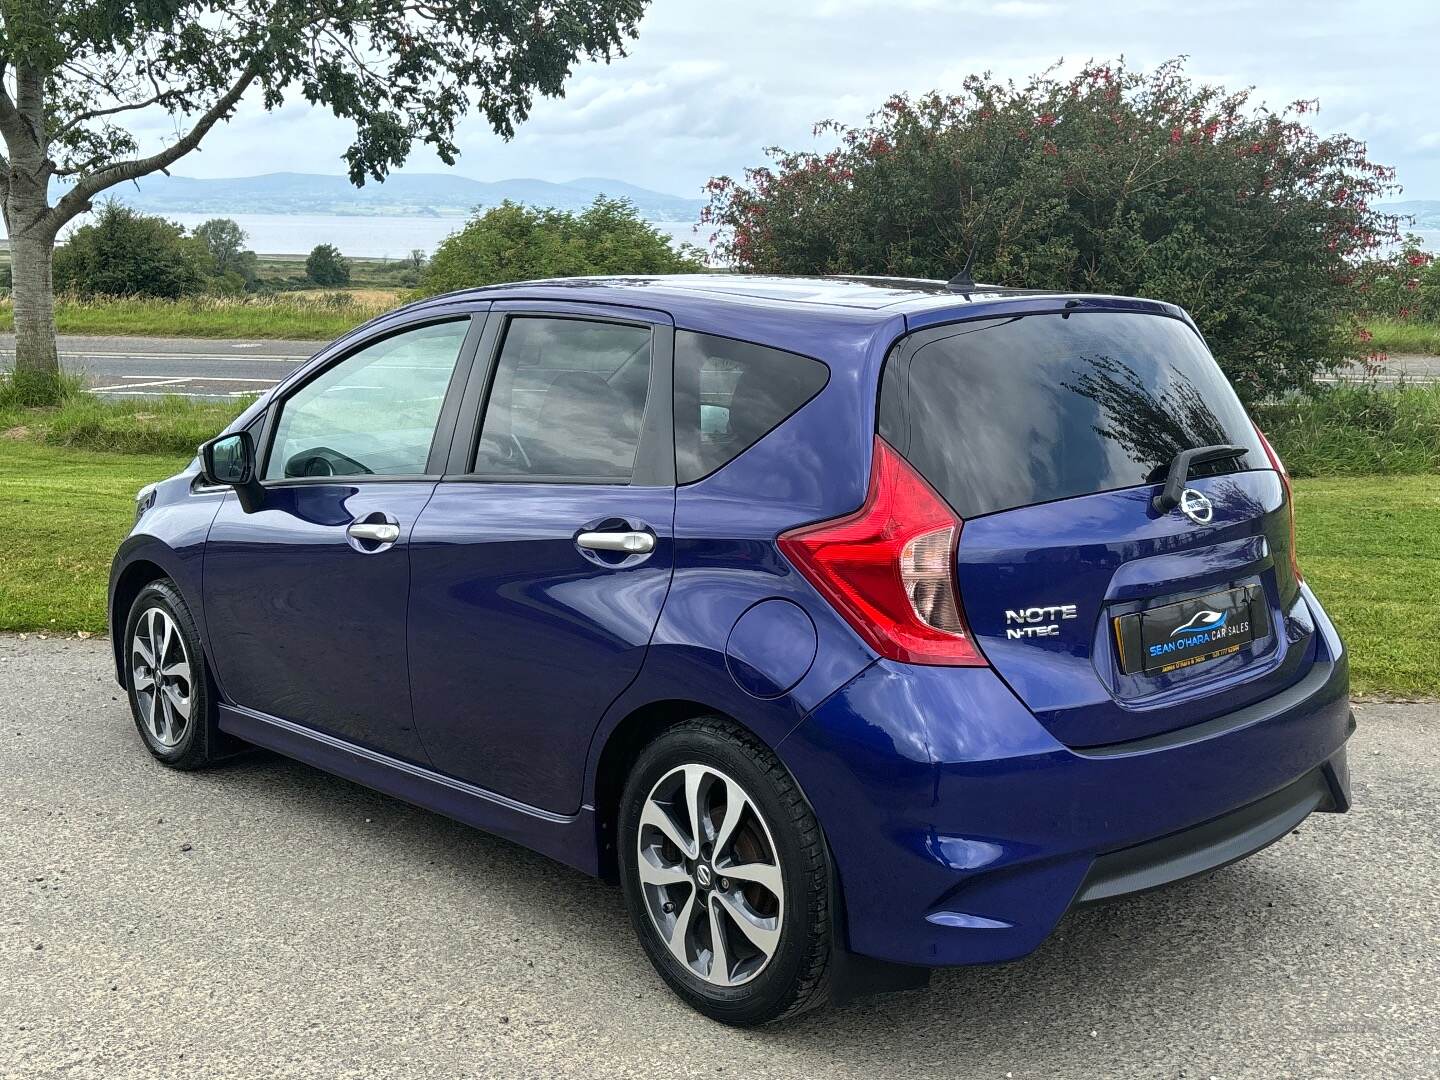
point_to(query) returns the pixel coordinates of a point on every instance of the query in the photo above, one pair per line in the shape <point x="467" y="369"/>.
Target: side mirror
<point x="229" y="461"/>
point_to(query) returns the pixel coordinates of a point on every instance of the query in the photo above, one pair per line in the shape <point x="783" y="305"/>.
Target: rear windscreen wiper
<point x="1179" y="472"/>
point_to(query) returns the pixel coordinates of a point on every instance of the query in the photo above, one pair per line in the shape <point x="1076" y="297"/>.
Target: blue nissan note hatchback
<point x="855" y="626"/>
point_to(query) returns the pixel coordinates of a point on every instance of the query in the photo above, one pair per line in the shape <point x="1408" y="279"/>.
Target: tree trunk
<point x="32" y="229"/>
<point x="37" y="361"/>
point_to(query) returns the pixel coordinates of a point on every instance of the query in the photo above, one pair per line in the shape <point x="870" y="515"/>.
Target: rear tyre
<point x="726" y="875"/>
<point x="165" y="678"/>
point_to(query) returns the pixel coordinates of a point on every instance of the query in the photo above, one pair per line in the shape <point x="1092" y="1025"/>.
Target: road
<point x="263" y="919"/>
<point x="204" y="368"/>
<point x="190" y="367"/>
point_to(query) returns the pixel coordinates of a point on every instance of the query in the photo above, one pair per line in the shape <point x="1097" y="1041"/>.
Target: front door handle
<point x="631" y="543"/>
<point x="376" y="532"/>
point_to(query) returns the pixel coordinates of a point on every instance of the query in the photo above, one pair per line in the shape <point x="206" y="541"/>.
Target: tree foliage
<point x="326" y="266"/>
<point x="235" y="266"/>
<point x="401" y="72"/>
<point x="511" y="242"/>
<point x="1112" y="181"/>
<point x="124" y="253"/>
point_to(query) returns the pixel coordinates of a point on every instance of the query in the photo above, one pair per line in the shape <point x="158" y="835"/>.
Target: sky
<point x="706" y="87"/>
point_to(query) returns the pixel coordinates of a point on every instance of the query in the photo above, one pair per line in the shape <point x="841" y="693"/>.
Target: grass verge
<point x="300" y="316"/>
<point x="1392" y="336"/>
<point x="171" y="425"/>
<point x="1352" y="430"/>
<point x="1367" y="545"/>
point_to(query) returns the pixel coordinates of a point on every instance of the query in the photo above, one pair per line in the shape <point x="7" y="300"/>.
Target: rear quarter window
<point x="729" y="394"/>
<point x="1014" y="411"/>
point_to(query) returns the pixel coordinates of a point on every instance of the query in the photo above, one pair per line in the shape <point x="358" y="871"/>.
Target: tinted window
<point x="374" y="412"/>
<point x="730" y="393"/>
<point x="1010" y="412"/>
<point x="567" y="400"/>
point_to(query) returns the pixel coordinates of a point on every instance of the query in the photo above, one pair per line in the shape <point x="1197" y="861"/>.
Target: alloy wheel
<point x="160" y="675"/>
<point x="710" y="875"/>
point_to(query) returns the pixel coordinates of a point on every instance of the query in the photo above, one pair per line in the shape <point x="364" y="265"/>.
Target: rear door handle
<point x="632" y="543"/>
<point x="376" y="532"/>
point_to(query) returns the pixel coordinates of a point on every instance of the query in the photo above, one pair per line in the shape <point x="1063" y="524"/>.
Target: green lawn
<point x="67" y="511"/>
<point x="1368" y="545"/>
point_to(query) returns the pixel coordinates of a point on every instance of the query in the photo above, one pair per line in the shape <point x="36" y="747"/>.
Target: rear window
<point x="729" y="394"/>
<point x="1009" y="412"/>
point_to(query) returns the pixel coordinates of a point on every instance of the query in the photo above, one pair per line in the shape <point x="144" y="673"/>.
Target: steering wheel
<point x="325" y="461"/>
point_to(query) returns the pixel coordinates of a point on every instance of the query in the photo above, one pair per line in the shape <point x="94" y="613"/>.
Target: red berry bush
<point x="1115" y="180"/>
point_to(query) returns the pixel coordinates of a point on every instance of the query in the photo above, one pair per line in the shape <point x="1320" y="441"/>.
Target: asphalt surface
<point x="265" y="920"/>
<point x="203" y="368"/>
<point x="189" y="367"/>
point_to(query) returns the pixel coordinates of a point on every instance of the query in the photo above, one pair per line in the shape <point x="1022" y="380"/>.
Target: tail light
<point x="889" y="568"/>
<point x="1279" y="466"/>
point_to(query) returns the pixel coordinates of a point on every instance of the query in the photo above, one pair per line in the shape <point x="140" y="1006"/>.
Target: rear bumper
<point x="1213" y="844"/>
<point x="962" y="831"/>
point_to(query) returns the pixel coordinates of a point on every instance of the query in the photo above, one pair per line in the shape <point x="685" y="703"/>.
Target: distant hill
<point x="1426" y="212"/>
<point x="418" y="194"/>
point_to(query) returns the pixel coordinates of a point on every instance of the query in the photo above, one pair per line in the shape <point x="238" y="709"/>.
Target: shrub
<point x="514" y="243"/>
<point x="326" y="266"/>
<point x="125" y="253"/>
<point x="1404" y="284"/>
<point x="1111" y="181"/>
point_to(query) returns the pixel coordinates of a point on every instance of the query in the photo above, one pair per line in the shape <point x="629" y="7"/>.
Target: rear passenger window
<point x="729" y="394"/>
<point x="566" y="401"/>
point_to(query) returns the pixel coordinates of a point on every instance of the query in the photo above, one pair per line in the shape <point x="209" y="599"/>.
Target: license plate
<point x="1191" y="631"/>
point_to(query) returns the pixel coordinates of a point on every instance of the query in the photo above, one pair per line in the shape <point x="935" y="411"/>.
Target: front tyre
<point x="726" y="875"/>
<point x="165" y="679"/>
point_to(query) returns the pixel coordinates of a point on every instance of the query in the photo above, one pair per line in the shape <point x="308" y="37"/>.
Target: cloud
<point x="705" y="89"/>
<point x="1021" y="9"/>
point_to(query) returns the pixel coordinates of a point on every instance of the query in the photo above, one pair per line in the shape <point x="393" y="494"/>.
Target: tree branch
<point x="11" y="125"/>
<point x="95" y="114"/>
<point x="77" y="199"/>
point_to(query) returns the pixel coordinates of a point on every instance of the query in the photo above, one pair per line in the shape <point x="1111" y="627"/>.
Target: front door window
<point x="373" y="413"/>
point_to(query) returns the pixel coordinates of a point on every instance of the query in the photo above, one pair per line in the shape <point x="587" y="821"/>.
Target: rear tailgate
<point x="1111" y="618"/>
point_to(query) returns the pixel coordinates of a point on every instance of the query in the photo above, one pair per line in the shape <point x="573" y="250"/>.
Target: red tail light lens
<point x="1279" y="466"/>
<point x="889" y="568"/>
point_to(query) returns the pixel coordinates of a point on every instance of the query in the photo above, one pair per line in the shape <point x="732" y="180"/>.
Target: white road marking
<point x="199" y="378"/>
<point x="128" y="392"/>
<point x="153" y="357"/>
<point x="157" y="380"/>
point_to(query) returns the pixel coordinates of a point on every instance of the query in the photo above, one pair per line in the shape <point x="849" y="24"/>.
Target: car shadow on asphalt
<point x="1134" y="957"/>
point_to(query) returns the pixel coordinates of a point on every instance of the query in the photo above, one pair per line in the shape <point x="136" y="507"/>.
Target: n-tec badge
<point x="1041" y="621"/>
<point x="1196" y="507"/>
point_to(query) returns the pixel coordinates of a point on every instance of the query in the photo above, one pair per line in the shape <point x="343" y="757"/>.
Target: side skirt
<point x="569" y="839"/>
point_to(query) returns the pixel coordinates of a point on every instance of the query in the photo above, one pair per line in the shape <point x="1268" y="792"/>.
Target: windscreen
<point x="1010" y="412"/>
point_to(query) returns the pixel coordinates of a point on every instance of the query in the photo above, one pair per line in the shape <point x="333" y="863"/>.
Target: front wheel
<point x="726" y="875"/>
<point x="165" y="677"/>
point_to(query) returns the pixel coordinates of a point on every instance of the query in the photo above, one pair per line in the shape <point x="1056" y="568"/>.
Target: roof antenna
<point x="964" y="281"/>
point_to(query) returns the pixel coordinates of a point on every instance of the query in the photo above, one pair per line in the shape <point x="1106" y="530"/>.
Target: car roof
<point x="878" y="294"/>
<point x="812" y="315"/>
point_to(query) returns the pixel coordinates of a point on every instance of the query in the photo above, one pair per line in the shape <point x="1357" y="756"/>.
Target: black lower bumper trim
<point x="1213" y="844"/>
